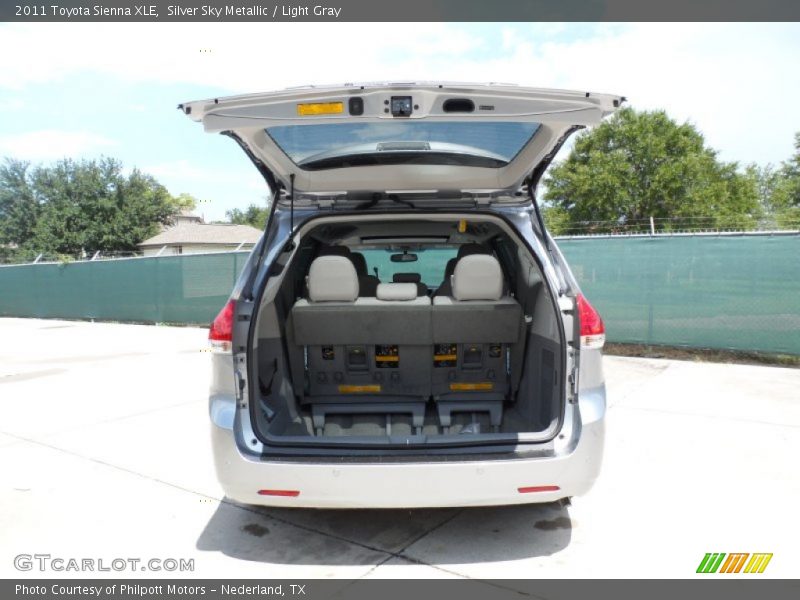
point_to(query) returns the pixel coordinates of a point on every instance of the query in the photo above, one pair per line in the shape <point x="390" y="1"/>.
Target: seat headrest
<point x="472" y="248"/>
<point x="334" y="251"/>
<point x="360" y="263"/>
<point x="332" y="279"/>
<point x="478" y="277"/>
<point x="397" y="291"/>
<point x="406" y="277"/>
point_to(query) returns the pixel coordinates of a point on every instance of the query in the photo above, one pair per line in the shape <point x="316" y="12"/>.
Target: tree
<point x="785" y="200"/>
<point x="642" y="164"/>
<point x="252" y="215"/>
<point x="185" y="202"/>
<point x="19" y="208"/>
<point x="80" y="206"/>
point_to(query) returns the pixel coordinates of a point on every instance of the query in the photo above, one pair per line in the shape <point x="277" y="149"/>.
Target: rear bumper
<point x="408" y="485"/>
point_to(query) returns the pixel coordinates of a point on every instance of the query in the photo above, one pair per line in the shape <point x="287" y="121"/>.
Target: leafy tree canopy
<point x="252" y="215"/>
<point x="642" y="164"/>
<point x="785" y="197"/>
<point x="78" y="206"/>
<point x="185" y="202"/>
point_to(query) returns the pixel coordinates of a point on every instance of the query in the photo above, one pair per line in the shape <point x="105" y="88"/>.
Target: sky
<point x="82" y="90"/>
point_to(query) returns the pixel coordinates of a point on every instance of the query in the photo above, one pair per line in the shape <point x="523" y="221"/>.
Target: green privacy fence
<point x="738" y="292"/>
<point x="169" y="289"/>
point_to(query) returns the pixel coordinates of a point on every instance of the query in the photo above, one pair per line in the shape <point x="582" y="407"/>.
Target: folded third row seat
<point x="474" y="330"/>
<point x="390" y="354"/>
<point x="362" y="354"/>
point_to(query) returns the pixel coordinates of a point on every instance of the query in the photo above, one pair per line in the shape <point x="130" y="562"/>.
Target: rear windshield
<point x="335" y="145"/>
<point x="430" y="263"/>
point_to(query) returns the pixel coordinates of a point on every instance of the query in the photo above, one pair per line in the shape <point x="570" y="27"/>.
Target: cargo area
<point x="407" y="333"/>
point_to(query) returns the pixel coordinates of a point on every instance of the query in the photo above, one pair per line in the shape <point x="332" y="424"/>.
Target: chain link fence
<point x="35" y="258"/>
<point x="166" y="289"/>
<point x="726" y="291"/>
<point x="789" y="222"/>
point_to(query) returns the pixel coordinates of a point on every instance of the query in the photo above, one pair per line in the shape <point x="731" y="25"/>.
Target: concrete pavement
<point x="104" y="455"/>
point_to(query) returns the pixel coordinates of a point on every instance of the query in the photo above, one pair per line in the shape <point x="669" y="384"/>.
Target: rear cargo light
<point x="286" y="493"/>
<point x="593" y="331"/>
<point x="538" y="488"/>
<point x="220" y="333"/>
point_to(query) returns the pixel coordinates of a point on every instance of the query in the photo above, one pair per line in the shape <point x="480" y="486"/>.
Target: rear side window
<point x="430" y="263"/>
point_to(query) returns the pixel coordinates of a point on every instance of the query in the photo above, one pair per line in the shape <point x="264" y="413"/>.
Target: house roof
<point x="204" y="233"/>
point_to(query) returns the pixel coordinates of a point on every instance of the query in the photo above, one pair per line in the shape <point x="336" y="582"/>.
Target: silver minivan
<point x="405" y="333"/>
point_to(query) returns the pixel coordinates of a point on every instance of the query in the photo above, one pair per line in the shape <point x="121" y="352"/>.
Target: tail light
<point x="593" y="331"/>
<point x="220" y="334"/>
<point x="538" y="488"/>
<point x="284" y="493"/>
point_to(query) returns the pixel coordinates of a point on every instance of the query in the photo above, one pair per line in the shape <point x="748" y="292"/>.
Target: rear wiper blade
<point x="377" y="197"/>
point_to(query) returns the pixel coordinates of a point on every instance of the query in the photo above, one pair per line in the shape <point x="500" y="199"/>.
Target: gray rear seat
<point x="445" y="289"/>
<point x="362" y="355"/>
<point x="472" y="332"/>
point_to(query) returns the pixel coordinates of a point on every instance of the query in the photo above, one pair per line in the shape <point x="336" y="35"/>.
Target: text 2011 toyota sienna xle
<point x="405" y="334"/>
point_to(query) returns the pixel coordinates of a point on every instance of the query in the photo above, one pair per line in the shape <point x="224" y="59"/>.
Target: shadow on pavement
<point x="363" y="537"/>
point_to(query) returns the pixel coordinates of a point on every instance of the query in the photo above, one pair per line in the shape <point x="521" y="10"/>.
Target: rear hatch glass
<point x="334" y="145"/>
